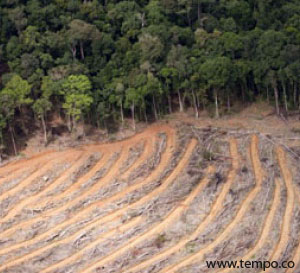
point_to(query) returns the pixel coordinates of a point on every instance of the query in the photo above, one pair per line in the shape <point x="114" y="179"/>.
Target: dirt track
<point x="94" y="209"/>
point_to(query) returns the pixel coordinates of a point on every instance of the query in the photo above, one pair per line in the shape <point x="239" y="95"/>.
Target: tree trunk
<point x="180" y="101"/>
<point x="73" y="50"/>
<point x="98" y="123"/>
<point x="22" y="122"/>
<point x="228" y="103"/>
<point x="285" y="98"/>
<point x="159" y="111"/>
<point x="81" y="50"/>
<point x="44" y="129"/>
<point x="69" y="123"/>
<point x="200" y="101"/>
<point x="154" y="107"/>
<point x="195" y="104"/>
<point x="170" y="103"/>
<point x="268" y="98"/>
<point x="184" y="98"/>
<point x="83" y="126"/>
<point x="298" y="101"/>
<point x="13" y="140"/>
<point x="132" y="115"/>
<point x="243" y="93"/>
<point x="139" y="117"/>
<point x="74" y="124"/>
<point x="216" y="104"/>
<point x="197" y="101"/>
<point x="106" y="128"/>
<point x="145" y="115"/>
<point x="276" y="97"/>
<point x="295" y="94"/>
<point x="122" y="114"/>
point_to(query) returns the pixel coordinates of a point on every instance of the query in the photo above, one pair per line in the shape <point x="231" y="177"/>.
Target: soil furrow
<point x="34" y="166"/>
<point x="148" y="150"/>
<point x="24" y="163"/>
<point x="286" y="224"/>
<point x="265" y="230"/>
<point x="121" y="228"/>
<point x="163" y="163"/>
<point x="55" y="198"/>
<point x="99" y="165"/>
<point x="216" y="207"/>
<point x="112" y="171"/>
<point x="39" y="172"/>
<point x="259" y="174"/>
<point x="57" y="181"/>
<point x="296" y="257"/>
<point x="160" y="168"/>
<point x="107" y="235"/>
<point x="161" y="226"/>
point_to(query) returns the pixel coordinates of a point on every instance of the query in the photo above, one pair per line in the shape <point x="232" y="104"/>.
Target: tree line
<point x="98" y="61"/>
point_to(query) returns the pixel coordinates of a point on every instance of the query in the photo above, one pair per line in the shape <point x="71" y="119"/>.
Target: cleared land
<point x="165" y="200"/>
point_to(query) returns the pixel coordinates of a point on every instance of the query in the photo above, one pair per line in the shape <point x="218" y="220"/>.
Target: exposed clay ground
<point x="164" y="200"/>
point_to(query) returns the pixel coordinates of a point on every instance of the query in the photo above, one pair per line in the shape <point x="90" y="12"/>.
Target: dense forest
<point x="100" y="61"/>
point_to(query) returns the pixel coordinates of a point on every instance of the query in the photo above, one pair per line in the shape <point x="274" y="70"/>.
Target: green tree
<point x="132" y="99"/>
<point x="151" y="47"/>
<point x="43" y="104"/>
<point x="79" y="32"/>
<point x="269" y="48"/>
<point x="2" y="127"/>
<point x="17" y="16"/>
<point x="177" y="59"/>
<point x="216" y="72"/>
<point x="77" y="98"/>
<point x="14" y="96"/>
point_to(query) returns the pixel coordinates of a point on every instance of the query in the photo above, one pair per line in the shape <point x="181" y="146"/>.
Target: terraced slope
<point x="166" y="200"/>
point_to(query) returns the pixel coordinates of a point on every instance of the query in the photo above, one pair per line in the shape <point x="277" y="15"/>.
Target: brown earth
<point x="167" y="199"/>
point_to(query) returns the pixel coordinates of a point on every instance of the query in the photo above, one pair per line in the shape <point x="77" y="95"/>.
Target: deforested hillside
<point x="168" y="199"/>
<point x="108" y="64"/>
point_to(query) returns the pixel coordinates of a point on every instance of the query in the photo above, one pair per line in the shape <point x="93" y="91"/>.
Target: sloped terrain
<point x="165" y="200"/>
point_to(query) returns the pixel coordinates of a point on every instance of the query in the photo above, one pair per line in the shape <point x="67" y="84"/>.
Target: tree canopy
<point x="99" y="61"/>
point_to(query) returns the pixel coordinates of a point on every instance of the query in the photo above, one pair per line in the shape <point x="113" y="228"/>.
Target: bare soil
<point x="166" y="199"/>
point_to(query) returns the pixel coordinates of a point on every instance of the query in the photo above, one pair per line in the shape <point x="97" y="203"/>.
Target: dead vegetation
<point x="165" y="200"/>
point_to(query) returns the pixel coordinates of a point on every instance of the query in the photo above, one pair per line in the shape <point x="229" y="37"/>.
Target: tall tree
<point x="77" y="98"/>
<point x="13" y="97"/>
<point x="216" y="72"/>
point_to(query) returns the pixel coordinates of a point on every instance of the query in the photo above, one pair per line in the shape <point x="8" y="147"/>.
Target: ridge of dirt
<point x="157" y="229"/>
<point x="266" y="229"/>
<point x="148" y="150"/>
<point x="58" y="180"/>
<point x="158" y="201"/>
<point x="108" y="217"/>
<point x="242" y="210"/>
<point x="215" y="208"/>
<point x="296" y="257"/>
<point x="285" y="230"/>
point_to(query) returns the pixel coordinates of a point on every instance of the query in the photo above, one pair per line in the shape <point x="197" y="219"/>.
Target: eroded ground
<point x="165" y="200"/>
